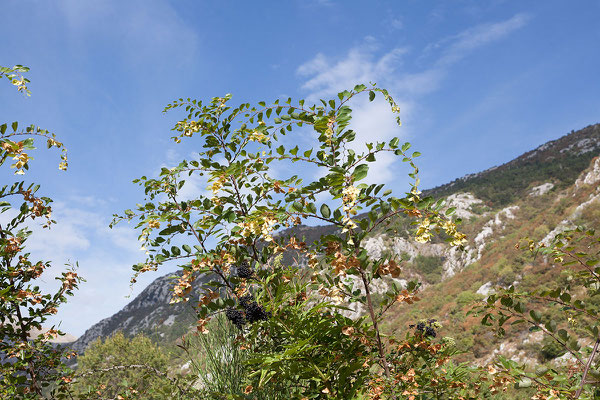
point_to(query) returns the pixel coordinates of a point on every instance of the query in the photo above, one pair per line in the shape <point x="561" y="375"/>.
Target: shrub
<point x="567" y="314"/>
<point x="30" y="367"/>
<point x="294" y="320"/>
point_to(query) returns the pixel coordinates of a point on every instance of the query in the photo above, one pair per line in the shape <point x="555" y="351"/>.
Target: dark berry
<point x="246" y="300"/>
<point x="255" y="312"/>
<point x="244" y="270"/>
<point x="236" y="317"/>
<point x="429" y="331"/>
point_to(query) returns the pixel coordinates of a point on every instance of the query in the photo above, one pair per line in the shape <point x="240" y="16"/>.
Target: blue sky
<point x="479" y="83"/>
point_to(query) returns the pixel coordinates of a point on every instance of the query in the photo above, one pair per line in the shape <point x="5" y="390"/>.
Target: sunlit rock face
<point x="463" y="203"/>
<point x="541" y="189"/>
<point x="591" y="177"/>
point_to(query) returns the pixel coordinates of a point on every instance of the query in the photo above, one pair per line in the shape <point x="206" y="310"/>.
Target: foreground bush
<point x="30" y="367"/>
<point x="292" y="316"/>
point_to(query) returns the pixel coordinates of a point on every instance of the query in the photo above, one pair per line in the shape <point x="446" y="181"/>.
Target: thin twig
<point x="587" y="368"/>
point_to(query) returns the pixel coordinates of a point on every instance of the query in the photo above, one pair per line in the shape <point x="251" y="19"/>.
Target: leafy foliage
<point x="16" y="78"/>
<point x="133" y="368"/>
<point x="291" y="318"/>
<point x="29" y="364"/>
<point x="576" y="333"/>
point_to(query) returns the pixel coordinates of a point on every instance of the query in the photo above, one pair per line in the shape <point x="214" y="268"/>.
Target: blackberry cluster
<point x="244" y="270"/>
<point x="426" y="328"/>
<point x="245" y="300"/>
<point x="236" y="317"/>
<point x="254" y="312"/>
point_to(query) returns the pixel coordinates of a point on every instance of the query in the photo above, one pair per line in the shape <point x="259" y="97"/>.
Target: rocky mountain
<point x="150" y="312"/>
<point x="536" y="195"/>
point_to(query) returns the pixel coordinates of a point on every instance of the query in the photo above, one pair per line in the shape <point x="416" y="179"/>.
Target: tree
<point x="29" y="364"/>
<point x="293" y="317"/>
<point x="119" y="366"/>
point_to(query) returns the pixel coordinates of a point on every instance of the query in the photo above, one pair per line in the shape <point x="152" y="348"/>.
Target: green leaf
<point x="360" y="172"/>
<point x="506" y="301"/>
<point x="563" y="335"/>
<point x="524" y="383"/>
<point x="371" y="95"/>
<point x="573" y="344"/>
<point x="325" y="211"/>
<point x="551" y="326"/>
<point x="15" y="125"/>
<point x="535" y="315"/>
<point x="296" y="206"/>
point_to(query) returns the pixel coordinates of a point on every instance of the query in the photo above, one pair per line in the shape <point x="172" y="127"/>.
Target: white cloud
<point x="395" y="23"/>
<point x="326" y="76"/>
<point x="467" y="41"/>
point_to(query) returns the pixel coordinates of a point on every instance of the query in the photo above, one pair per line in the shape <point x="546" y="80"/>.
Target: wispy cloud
<point x="457" y="47"/>
<point x="325" y="76"/>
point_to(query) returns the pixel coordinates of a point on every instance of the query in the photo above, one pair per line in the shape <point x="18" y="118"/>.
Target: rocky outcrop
<point x="541" y="189"/>
<point x="463" y="203"/>
<point x="591" y="177"/>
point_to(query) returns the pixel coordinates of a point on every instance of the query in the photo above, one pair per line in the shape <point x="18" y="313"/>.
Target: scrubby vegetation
<point x="284" y="317"/>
